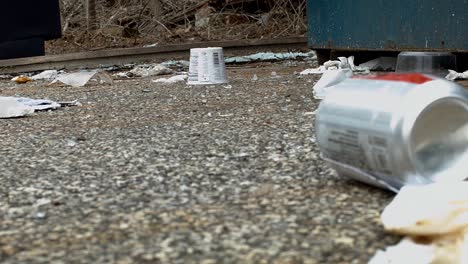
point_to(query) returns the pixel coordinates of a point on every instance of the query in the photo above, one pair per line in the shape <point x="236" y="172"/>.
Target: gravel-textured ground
<point x="151" y="173"/>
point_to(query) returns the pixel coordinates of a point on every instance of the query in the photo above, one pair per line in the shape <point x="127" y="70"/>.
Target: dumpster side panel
<point x="388" y="25"/>
<point x="28" y="19"/>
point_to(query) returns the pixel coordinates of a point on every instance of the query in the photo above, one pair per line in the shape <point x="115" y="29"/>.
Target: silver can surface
<point x="395" y="129"/>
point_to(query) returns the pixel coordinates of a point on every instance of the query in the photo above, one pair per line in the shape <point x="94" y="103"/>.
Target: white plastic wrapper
<point x="46" y="75"/>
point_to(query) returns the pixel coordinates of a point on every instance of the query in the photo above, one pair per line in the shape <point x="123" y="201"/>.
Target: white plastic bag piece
<point x="38" y="105"/>
<point x="453" y="75"/>
<point x="10" y="107"/>
<point x="80" y="79"/>
<point x="46" y="75"/>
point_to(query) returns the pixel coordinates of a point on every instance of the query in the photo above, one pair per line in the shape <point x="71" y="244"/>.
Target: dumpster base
<point x="22" y="48"/>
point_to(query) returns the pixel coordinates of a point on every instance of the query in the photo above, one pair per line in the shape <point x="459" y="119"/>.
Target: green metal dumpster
<point x="26" y="24"/>
<point x="387" y="25"/>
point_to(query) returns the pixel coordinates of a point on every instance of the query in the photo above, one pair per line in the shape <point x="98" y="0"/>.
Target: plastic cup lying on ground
<point x="436" y="63"/>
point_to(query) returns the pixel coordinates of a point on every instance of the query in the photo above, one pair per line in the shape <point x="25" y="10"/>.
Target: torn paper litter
<point x="270" y="56"/>
<point x="173" y="79"/>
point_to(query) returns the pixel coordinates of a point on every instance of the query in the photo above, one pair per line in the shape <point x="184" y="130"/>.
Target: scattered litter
<point x="69" y="103"/>
<point x="381" y="64"/>
<point x="79" y="79"/>
<point x="329" y="79"/>
<point x="341" y="63"/>
<point x="10" y="108"/>
<point x="255" y="78"/>
<point x="270" y="56"/>
<point x="436" y="212"/>
<point x="274" y="75"/>
<point x="46" y="75"/>
<point x="207" y="66"/>
<point x="123" y="75"/>
<point x="152" y="70"/>
<point x="173" y="79"/>
<point x="21" y="79"/>
<point x="227" y="87"/>
<point x="38" y="105"/>
<point x="176" y="63"/>
<point x="454" y="75"/>
<point x="226" y="115"/>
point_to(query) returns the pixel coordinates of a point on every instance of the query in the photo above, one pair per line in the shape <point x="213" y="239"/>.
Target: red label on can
<point x="397" y="77"/>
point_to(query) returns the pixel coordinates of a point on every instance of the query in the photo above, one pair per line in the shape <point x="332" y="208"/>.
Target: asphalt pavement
<point x="168" y="173"/>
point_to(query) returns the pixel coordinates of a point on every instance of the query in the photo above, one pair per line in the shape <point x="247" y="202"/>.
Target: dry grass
<point x="127" y="23"/>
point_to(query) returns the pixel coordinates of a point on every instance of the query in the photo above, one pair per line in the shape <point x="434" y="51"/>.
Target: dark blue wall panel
<point x="388" y="24"/>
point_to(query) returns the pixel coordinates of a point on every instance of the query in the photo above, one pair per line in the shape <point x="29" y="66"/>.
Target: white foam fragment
<point x="173" y="79"/>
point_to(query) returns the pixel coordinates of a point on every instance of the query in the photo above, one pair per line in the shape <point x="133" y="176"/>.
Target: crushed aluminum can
<point x="393" y="130"/>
